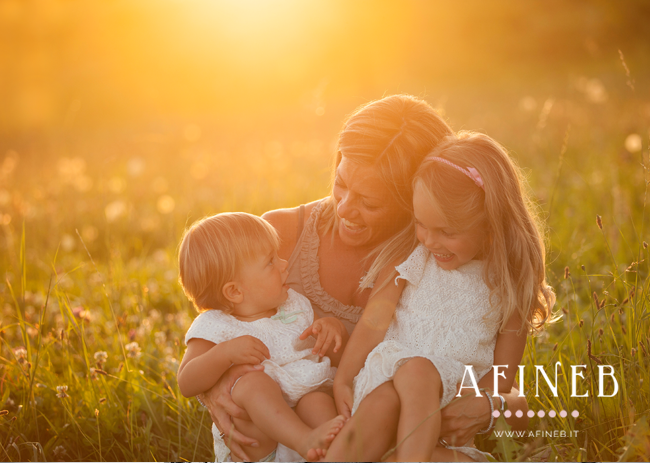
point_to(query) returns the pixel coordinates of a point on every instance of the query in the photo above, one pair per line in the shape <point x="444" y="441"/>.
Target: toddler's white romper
<point x="292" y="365"/>
<point x="439" y="317"/>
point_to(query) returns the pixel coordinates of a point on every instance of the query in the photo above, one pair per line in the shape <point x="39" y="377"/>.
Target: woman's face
<point x="368" y="214"/>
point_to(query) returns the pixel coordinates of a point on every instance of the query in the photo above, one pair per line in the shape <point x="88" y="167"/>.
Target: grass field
<point x="93" y="318"/>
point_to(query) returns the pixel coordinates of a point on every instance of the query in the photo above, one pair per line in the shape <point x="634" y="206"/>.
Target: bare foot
<point x="320" y="439"/>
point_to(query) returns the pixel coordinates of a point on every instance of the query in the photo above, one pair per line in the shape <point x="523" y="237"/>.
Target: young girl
<point x="471" y="291"/>
<point x="230" y="269"/>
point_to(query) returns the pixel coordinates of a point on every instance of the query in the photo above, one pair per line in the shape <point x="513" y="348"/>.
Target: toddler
<point x="472" y="290"/>
<point x="230" y="270"/>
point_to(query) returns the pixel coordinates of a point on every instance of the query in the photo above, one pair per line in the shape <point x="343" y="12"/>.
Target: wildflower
<point x="59" y="451"/>
<point x="599" y="222"/>
<point x="595" y="296"/>
<point x="133" y="350"/>
<point x="20" y="354"/>
<point x="633" y="352"/>
<point x="100" y="357"/>
<point x="61" y="392"/>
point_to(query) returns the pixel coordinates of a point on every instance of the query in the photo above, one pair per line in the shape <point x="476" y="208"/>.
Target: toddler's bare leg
<point x="370" y="432"/>
<point x="262" y="399"/>
<point x="316" y="408"/>
<point x="418" y="385"/>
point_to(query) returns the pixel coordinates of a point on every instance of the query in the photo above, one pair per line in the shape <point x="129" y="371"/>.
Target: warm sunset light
<point x="384" y="143"/>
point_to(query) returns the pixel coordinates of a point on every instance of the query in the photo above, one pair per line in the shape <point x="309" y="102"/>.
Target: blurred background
<point x="123" y="121"/>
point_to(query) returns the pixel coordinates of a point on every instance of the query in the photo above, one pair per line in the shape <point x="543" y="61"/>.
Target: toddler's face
<point x="451" y="248"/>
<point x="262" y="282"/>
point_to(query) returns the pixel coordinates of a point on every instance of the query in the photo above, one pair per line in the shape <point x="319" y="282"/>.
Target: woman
<point x="337" y="248"/>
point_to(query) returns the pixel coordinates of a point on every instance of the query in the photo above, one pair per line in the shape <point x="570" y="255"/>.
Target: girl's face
<point x="368" y="214"/>
<point x="451" y="248"/>
<point x="262" y="283"/>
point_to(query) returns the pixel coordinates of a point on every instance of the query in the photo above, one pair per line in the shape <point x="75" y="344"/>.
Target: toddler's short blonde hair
<point x="213" y="251"/>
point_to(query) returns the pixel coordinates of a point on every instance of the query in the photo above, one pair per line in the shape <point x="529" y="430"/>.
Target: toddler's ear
<point x="232" y="292"/>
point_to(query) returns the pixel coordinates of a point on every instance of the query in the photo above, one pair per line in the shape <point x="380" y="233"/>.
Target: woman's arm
<point x="285" y="222"/>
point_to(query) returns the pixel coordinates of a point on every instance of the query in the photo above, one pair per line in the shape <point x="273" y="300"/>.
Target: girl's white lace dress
<point x="439" y="317"/>
<point x="292" y="365"/>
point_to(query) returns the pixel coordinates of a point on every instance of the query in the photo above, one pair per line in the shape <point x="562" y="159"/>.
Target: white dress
<point x="439" y="317"/>
<point x="292" y="365"/>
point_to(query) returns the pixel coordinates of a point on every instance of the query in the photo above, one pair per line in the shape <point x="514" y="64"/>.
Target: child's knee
<point x="417" y="367"/>
<point x="252" y="382"/>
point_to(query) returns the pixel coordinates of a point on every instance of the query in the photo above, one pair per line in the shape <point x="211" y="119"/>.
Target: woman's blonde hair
<point x="392" y="135"/>
<point x="514" y="253"/>
<point x="213" y="251"/>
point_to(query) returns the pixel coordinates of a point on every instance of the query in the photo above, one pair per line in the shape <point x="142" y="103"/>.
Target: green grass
<point x="90" y="225"/>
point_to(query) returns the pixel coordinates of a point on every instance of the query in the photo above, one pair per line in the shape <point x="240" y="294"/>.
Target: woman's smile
<point x="367" y="214"/>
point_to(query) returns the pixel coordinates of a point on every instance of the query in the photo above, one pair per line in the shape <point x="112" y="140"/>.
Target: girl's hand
<point x="246" y="350"/>
<point x="326" y="330"/>
<point x="343" y="398"/>
<point x="222" y="408"/>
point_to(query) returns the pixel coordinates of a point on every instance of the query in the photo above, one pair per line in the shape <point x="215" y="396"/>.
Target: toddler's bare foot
<point x="320" y="439"/>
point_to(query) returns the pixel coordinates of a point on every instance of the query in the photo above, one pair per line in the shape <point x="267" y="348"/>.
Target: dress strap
<point x="301" y="220"/>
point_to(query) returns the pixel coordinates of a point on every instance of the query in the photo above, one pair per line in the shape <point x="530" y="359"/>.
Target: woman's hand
<point x="222" y="409"/>
<point x="343" y="398"/>
<point x="326" y="330"/>
<point x="464" y="417"/>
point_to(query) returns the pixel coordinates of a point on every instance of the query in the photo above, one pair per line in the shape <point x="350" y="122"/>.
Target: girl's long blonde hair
<point x="392" y="135"/>
<point x="514" y="253"/>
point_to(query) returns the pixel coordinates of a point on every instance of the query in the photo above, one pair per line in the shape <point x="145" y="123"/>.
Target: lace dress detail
<point x="292" y="365"/>
<point x="308" y="263"/>
<point x="439" y="317"/>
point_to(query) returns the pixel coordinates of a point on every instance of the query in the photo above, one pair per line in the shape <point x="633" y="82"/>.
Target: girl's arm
<point x="508" y="351"/>
<point x="204" y="362"/>
<point x="368" y="333"/>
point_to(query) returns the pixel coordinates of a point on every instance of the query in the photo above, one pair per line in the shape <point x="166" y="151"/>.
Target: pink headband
<point x="469" y="171"/>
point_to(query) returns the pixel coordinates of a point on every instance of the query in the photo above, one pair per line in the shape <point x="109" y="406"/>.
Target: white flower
<point x="100" y="357"/>
<point x="133" y="350"/>
<point x="62" y="392"/>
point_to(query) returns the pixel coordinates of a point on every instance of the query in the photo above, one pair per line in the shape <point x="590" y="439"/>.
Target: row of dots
<point x="541" y="413"/>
